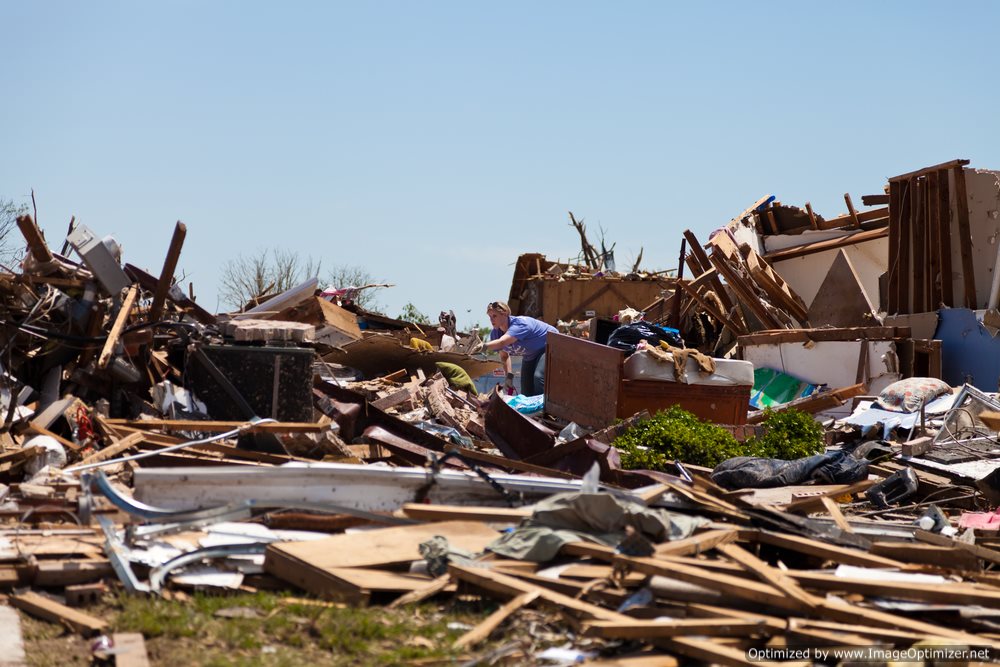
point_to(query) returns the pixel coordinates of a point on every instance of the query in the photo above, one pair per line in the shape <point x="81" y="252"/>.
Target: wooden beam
<point x="216" y="426"/>
<point x="509" y="586"/>
<point x="710" y="308"/>
<point x="646" y="630"/>
<point x="744" y="291"/>
<point x="903" y="243"/>
<point x="833" y="509"/>
<point x="423" y="512"/>
<point x="768" y="574"/>
<point x="891" y="296"/>
<point x="875" y="200"/>
<point x="36" y="242"/>
<point x="110" y="452"/>
<point x="944" y="239"/>
<point x="824" y="551"/>
<point x="850" y="210"/>
<point x="919" y="267"/>
<point x="815" y="503"/>
<point x="920" y="172"/>
<point x="812" y="216"/>
<point x="965" y="238"/>
<point x="167" y="274"/>
<point x="50" y="610"/>
<point x="116" y="328"/>
<point x="698" y="252"/>
<point x="933" y="240"/>
<point x="823" y="246"/>
<point x="482" y="631"/>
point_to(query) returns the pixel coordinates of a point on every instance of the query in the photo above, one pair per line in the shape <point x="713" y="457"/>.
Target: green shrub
<point x="675" y="435"/>
<point x="788" y="435"/>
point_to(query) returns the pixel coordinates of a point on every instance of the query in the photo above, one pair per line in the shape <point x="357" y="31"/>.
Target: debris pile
<point x="845" y="366"/>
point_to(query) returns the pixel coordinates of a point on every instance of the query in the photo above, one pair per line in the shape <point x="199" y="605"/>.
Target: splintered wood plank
<point x="50" y="610"/>
<point x="710" y="308"/>
<point x="425" y="512"/>
<point x="697" y="544"/>
<point x="850" y="210"/>
<point x="950" y="164"/>
<point x="919" y="267"/>
<point x="118" y="326"/>
<point x="330" y="566"/>
<point x="725" y="251"/>
<point x="933" y="239"/>
<point x="776" y="287"/>
<point x="833" y="509"/>
<point x="767" y="574"/>
<point x="130" y="650"/>
<point x="892" y="278"/>
<point x="965" y="238"/>
<point x="167" y="274"/>
<point x="944" y="239"/>
<point x="493" y="621"/>
<point x="508" y="586"/>
<point x="385" y="546"/>
<point x="903" y="269"/>
<point x="639" y="629"/>
<point x="961" y="594"/>
<point x="215" y="426"/>
<point x="701" y="257"/>
<point x="421" y="594"/>
<point x="110" y="452"/>
<point x="823" y="550"/>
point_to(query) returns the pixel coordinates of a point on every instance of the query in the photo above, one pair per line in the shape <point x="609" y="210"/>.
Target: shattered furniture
<point x="585" y="383"/>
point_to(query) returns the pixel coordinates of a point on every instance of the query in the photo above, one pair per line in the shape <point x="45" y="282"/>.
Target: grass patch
<point x="266" y="632"/>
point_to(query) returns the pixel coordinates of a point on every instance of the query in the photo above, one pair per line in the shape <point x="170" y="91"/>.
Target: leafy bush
<point x="675" y="434"/>
<point x="789" y="435"/>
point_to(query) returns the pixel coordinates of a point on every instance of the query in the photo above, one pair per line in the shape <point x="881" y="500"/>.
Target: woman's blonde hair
<point x="499" y="307"/>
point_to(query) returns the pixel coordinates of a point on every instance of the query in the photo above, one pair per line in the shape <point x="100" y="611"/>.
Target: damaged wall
<point x="806" y="274"/>
<point x="984" y="224"/>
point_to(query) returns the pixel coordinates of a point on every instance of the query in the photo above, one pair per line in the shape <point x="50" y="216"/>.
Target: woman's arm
<point x="500" y="343"/>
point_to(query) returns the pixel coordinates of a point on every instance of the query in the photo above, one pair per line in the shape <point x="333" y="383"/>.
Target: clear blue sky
<point x="434" y="142"/>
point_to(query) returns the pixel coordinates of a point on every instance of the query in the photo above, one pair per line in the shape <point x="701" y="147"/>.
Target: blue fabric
<point x="530" y="334"/>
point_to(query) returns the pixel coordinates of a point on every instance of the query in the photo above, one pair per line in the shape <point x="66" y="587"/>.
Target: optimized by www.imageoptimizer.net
<point x="939" y="654"/>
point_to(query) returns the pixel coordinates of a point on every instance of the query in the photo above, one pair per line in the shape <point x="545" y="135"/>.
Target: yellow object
<point x="421" y="345"/>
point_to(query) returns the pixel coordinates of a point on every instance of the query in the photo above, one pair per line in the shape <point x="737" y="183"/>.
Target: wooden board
<point x="424" y="512"/>
<point x="130" y="650"/>
<point x="841" y="300"/>
<point x="50" y="610"/>
<point x="572" y="299"/>
<point x="323" y="567"/>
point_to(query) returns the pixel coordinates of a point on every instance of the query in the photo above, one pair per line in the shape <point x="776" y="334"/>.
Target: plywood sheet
<point x="342" y="566"/>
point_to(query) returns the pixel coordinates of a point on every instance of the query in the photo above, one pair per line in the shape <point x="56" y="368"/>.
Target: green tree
<point x="412" y="314"/>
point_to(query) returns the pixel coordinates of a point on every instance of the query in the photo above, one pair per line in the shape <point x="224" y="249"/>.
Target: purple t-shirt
<point x="530" y="335"/>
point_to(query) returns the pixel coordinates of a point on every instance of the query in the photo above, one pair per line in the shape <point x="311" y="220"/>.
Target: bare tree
<point x="248" y="279"/>
<point x="11" y="250"/>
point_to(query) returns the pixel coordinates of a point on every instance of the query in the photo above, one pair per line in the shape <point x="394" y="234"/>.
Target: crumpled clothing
<point x="679" y="357"/>
<point x="588" y="517"/>
<point x="438" y="552"/>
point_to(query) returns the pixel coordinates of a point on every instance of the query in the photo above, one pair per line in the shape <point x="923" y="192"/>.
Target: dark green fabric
<point x="457" y="377"/>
